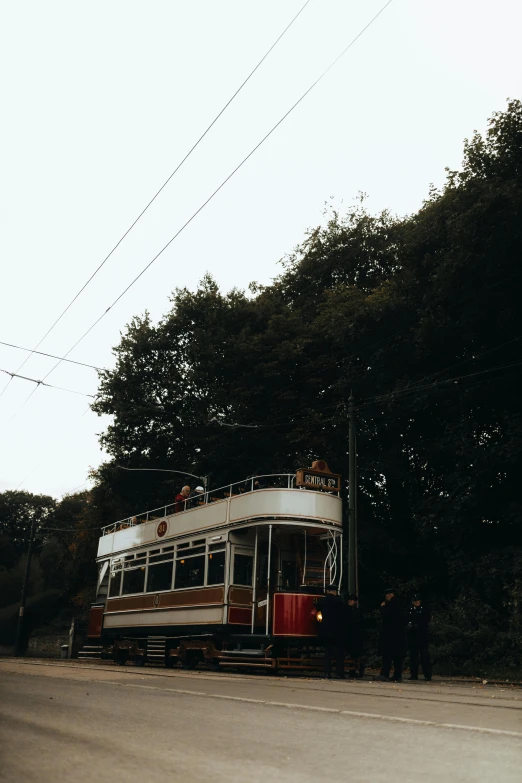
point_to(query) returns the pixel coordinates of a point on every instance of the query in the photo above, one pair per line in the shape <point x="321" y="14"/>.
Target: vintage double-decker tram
<point x="231" y="579"/>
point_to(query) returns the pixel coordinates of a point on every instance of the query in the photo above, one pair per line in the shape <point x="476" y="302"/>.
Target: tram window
<point x="154" y="552"/>
<point x="133" y="581"/>
<point x="263" y="565"/>
<point x="168" y="549"/>
<point x="114" y="588"/>
<point x="190" y="572"/>
<point x="289" y="574"/>
<point x="216" y="568"/>
<point x="184" y="546"/>
<point x="214" y="547"/>
<point x="160" y="558"/>
<point x="243" y="567"/>
<point x="159" y="577"/>
<point x="198" y="542"/>
<point x="195" y="550"/>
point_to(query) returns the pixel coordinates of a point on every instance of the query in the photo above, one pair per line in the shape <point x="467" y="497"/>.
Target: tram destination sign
<point x="318" y="477"/>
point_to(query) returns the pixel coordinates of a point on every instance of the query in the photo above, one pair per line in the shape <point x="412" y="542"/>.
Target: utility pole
<point x="352" y="499"/>
<point x="19" y="627"/>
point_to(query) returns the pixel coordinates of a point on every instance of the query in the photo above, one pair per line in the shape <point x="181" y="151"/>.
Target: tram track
<point x="408" y="692"/>
<point x="315" y="708"/>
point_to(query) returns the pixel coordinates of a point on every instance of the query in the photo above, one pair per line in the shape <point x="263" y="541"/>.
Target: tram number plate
<point x="262" y="603"/>
<point x="331" y="482"/>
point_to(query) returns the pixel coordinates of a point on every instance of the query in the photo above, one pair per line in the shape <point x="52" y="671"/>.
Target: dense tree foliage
<point x="420" y="316"/>
<point x="63" y="570"/>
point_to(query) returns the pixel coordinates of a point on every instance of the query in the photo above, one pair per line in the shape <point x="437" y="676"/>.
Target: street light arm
<point x="164" y="470"/>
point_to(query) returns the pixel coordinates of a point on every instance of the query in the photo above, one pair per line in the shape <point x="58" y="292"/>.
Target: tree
<point x="17" y="512"/>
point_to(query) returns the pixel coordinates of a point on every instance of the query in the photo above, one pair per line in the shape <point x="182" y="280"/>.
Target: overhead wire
<point x="42" y="383"/>
<point x="472" y="358"/>
<point x="432" y="386"/>
<point x="189" y="153"/>
<point x="369" y="401"/>
<point x="217" y="190"/>
<point x="51" y="356"/>
<point x="410" y="326"/>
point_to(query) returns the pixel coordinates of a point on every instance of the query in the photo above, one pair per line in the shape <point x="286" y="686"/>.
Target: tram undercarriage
<point x="238" y="652"/>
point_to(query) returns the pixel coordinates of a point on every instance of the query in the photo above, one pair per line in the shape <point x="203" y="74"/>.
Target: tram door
<point x="263" y="599"/>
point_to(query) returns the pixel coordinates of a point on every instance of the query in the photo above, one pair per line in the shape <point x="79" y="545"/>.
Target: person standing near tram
<point x="392" y="637"/>
<point x="354" y="635"/>
<point x="331" y="615"/>
<point x="418" y="621"/>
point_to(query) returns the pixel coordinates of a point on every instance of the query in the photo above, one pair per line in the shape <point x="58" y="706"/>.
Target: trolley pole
<point x="19" y="627"/>
<point x="352" y="499"/>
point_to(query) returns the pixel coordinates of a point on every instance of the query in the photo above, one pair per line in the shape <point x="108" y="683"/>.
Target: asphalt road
<point x="75" y="722"/>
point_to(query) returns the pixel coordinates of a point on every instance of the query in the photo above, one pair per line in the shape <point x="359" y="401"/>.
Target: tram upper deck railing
<point x="239" y="488"/>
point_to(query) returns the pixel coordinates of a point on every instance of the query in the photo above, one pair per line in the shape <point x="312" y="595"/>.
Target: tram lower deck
<point x="232" y="581"/>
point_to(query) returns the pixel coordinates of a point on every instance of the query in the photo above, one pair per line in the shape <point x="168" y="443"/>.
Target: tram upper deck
<point x="288" y="498"/>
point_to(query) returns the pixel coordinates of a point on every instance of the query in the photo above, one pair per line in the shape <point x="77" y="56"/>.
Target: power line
<point x="217" y="190"/>
<point x="25" y="479"/>
<point x="70" y="491"/>
<point x="431" y="386"/>
<point x="465" y="361"/>
<point x="70" y="529"/>
<point x="357" y="353"/>
<point x="42" y="383"/>
<point x="51" y="356"/>
<point x="189" y="153"/>
<point x="370" y="401"/>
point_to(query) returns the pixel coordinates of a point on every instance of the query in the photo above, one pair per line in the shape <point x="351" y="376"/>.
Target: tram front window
<point x="115" y="584"/>
<point x="289" y="574"/>
<point x="263" y="565"/>
<point x="216" y="568"/>
<point x="243" y="567"/>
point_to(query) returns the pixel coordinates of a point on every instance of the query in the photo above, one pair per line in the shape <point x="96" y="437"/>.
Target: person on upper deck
<point x="254" y="482"/>
<point x="197" y="497"/>
<point x="181" y="499"/>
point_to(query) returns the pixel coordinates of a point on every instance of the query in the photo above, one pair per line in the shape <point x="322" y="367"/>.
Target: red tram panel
<point x="94" y="629"/>
<point x="294" y="614"/>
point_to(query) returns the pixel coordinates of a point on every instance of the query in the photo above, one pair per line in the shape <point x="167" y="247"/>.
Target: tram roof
<point x="308" y="507"/>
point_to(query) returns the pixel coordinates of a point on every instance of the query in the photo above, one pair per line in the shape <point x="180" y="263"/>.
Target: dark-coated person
<point x="392" y="636"/>
<point x="331" y="617"/>
<point x="354" y="636"/>
<point x="418" y="638"/>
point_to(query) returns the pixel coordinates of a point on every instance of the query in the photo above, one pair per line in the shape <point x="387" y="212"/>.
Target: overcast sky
<point x="101" y="100"/>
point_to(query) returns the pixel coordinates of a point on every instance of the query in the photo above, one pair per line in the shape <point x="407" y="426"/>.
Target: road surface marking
<point x="312" y="708"/>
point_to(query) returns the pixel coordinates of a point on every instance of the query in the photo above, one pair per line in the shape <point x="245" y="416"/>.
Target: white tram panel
<point x="289" y="504"/>
<point x="293" y="504"/>
<point x="193" y="615"/>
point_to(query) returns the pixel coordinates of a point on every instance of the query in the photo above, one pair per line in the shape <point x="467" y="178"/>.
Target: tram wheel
<point x="190" y="659"/>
